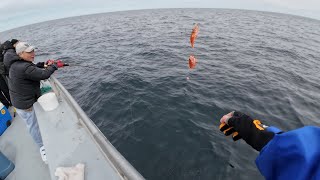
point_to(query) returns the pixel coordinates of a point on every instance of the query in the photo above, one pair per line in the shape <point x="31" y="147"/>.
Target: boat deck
<point x="67" y="142"/>
<point x="69" y="137"/>
<point x="17" y="144"/>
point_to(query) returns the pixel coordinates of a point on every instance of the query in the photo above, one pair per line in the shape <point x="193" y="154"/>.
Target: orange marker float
<point x="194" y="35"/>
<point x="192" y="62"/>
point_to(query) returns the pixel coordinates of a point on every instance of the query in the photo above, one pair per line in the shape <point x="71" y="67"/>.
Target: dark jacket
<point x="24" y="80"/>
<point x="3" y="49"/>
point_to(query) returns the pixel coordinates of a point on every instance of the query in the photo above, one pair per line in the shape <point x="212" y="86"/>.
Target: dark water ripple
<point x="128" y="72"/>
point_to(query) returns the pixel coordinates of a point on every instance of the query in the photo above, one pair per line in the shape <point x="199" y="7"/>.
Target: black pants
<point x="4" y="92"/>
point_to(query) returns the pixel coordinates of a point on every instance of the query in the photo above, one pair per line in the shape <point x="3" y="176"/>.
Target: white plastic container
<point x="48" y="101"/>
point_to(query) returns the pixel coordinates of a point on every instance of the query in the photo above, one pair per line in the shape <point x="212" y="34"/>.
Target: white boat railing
<point x="126" y="170"/>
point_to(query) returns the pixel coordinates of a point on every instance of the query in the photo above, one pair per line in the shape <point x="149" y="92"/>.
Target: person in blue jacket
<point x="283" y="155"/>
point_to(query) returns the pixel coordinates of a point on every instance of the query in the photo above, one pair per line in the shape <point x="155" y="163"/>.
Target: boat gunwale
<point x="125" y="169"/>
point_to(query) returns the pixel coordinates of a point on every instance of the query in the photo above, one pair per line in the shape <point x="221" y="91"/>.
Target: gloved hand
<point x="59" y="63"/>
<point x="50" y="62"/>
<point x="227" y="130"/>
<point x="243" y="126"/>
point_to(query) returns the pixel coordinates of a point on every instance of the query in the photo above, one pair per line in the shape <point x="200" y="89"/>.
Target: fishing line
<point x="84" y="66"/>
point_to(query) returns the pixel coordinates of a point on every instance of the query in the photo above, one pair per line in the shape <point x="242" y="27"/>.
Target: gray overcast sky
<point x="16" y="13"/>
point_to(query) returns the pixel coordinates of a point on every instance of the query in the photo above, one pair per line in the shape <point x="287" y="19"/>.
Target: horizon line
<point x="275" y="12"/>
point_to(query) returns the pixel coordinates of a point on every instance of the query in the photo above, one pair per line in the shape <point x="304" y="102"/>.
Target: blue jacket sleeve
<point x="292" y="155"/>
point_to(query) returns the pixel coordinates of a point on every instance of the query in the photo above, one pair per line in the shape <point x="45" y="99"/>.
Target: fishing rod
<point x="78" y="65"/>
<point x="83" y="66"/>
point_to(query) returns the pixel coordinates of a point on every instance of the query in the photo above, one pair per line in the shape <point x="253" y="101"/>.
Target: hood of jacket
<point x="10" y="57"/>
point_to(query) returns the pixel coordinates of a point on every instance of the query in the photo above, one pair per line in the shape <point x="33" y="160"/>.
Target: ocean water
<point x="128" y="71"/>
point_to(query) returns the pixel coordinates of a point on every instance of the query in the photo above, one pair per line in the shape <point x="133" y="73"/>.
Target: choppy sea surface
<point x="128" y="71"/>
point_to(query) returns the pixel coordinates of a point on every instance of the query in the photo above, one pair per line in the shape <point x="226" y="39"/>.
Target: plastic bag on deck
<point x="45" y="87"/>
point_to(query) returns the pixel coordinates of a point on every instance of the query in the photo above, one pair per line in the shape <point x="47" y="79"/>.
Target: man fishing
<point x="24" y="85"/>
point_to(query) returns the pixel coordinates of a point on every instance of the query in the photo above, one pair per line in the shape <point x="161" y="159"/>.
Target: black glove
<point x="40" y="64"/>
<point x="252" y="131"/>
<point x="227" y="130"/>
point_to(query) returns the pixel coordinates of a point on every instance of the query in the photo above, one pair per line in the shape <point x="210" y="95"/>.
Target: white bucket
<point x="48" y="101"/>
